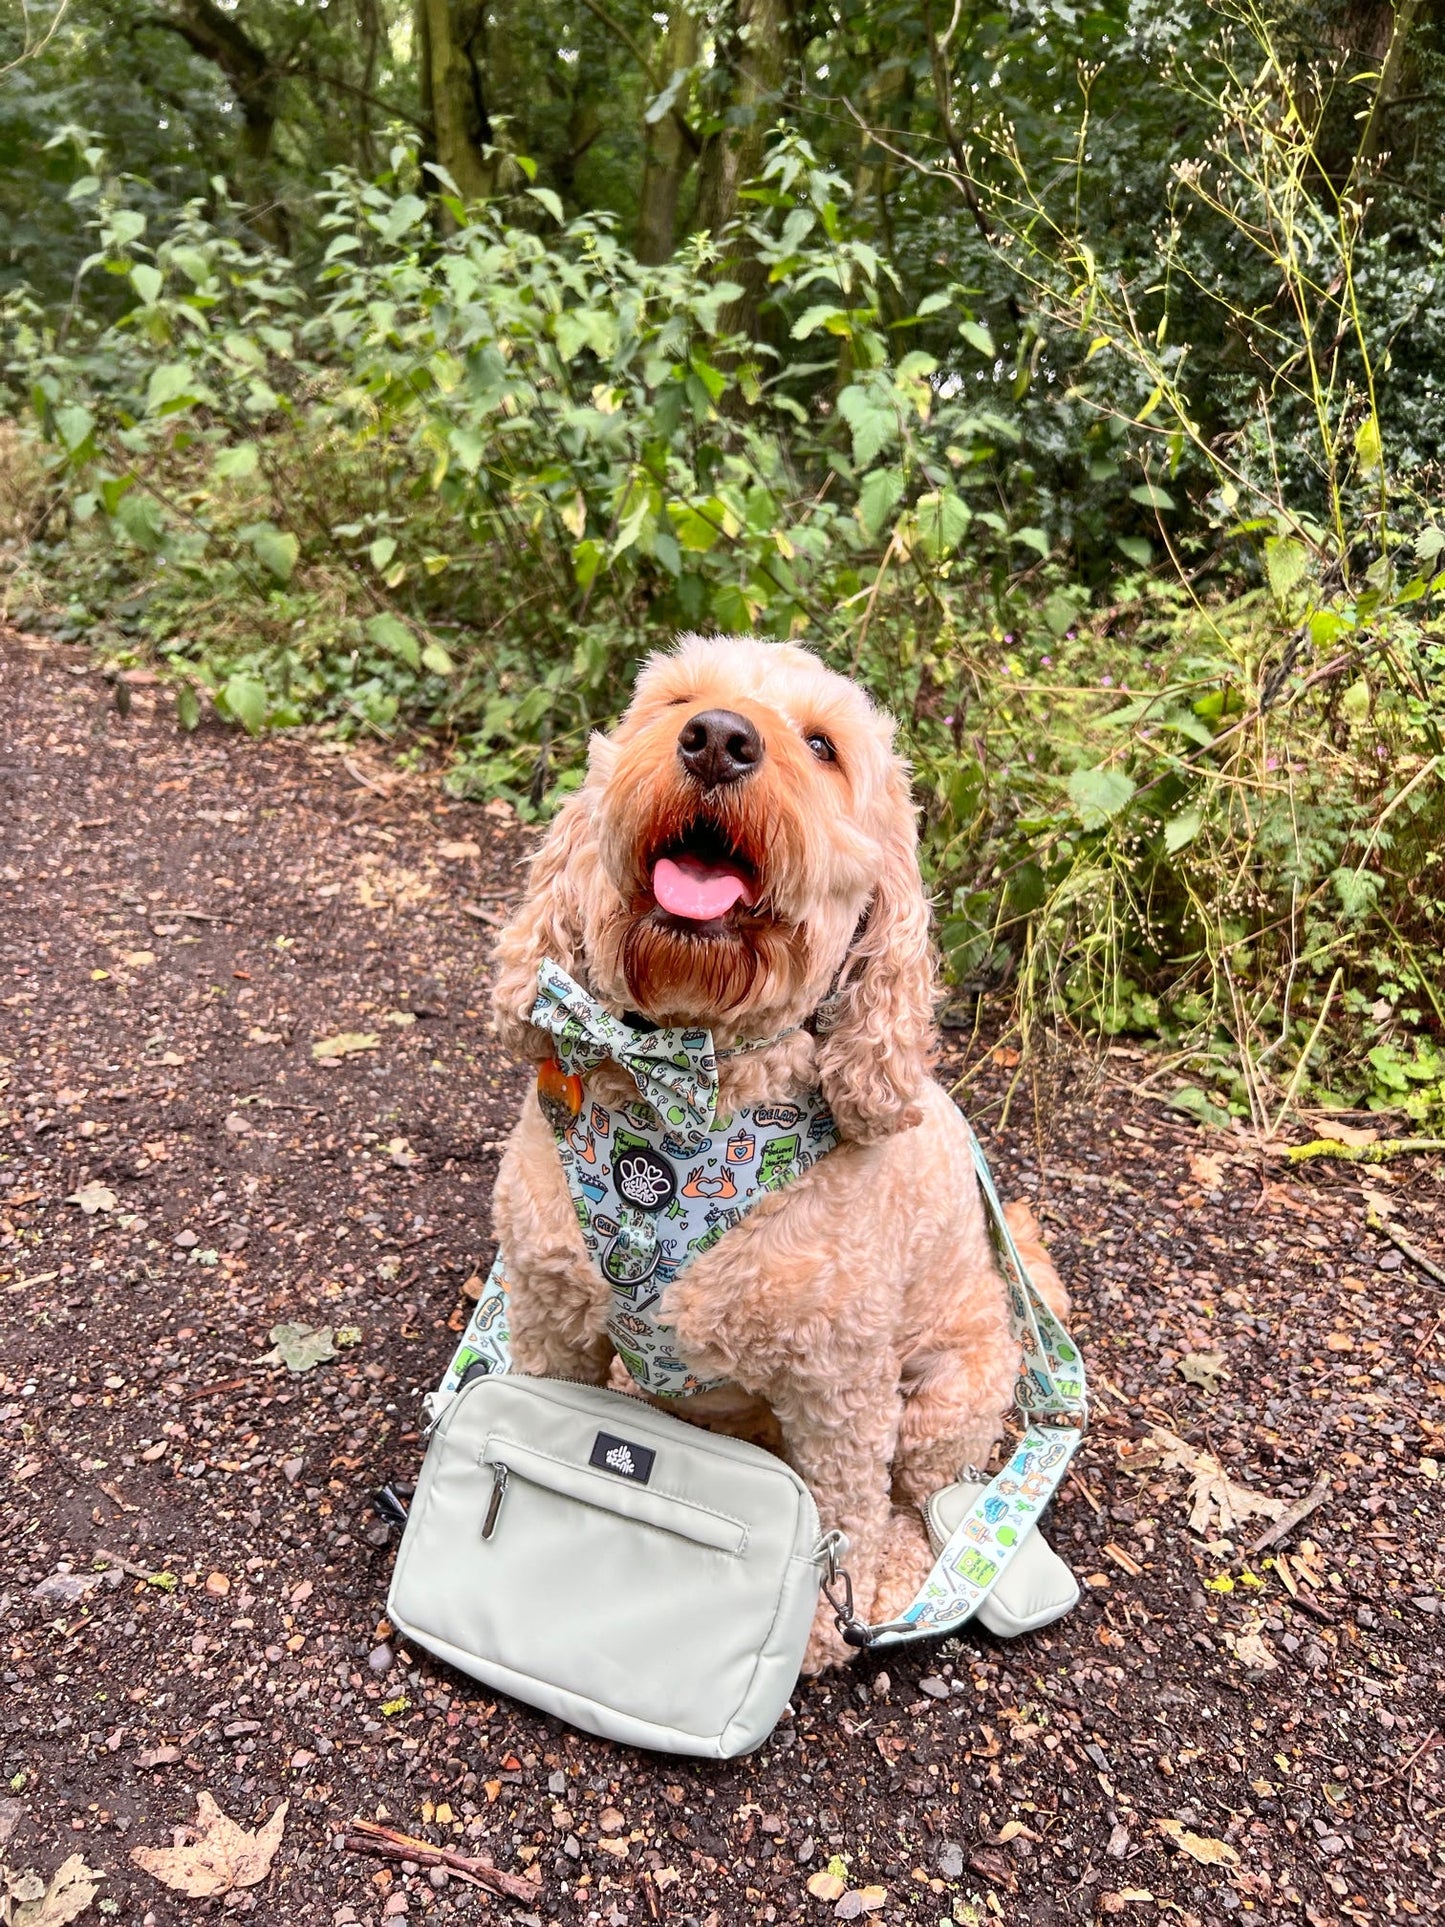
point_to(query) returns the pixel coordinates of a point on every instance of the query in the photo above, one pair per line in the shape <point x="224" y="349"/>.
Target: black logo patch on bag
<point x="622" y="1457"/>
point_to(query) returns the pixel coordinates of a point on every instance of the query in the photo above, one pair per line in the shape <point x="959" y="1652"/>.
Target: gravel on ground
<point x="246" y="1081"/>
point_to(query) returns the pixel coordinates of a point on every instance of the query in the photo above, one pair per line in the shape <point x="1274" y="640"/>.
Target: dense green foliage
<point x="1089" y="414"/>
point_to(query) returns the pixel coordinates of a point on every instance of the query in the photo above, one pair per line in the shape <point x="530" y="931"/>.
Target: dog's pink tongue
<point x="687" y="887"/>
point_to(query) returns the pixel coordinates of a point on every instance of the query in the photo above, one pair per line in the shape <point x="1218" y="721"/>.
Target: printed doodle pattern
<point x="654" y="1183"/>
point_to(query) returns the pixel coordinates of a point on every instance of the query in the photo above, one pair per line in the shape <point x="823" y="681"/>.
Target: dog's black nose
<point x="718" y="746"/>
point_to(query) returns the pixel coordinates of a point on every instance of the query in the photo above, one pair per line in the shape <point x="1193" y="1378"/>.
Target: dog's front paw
<point x="907" y="1561"/>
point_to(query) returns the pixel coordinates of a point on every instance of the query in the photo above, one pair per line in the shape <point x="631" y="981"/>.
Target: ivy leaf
<point x="1099" y="794"/>
<point x="1190" y="1099"/>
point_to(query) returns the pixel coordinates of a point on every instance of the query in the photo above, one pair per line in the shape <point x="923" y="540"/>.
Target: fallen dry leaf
<point x="1254" y="1651"/>
<point x="222" y="1856"/>
<point x="1207" y="1169"/>
<point x="94" y="1197"/>
<point x="1216" y="1502"/>
<point x="1209" y="1853"/>
<point x="347" y="1043"/>
<point x="826" y="1886"/>
<point x="459" y="851"/>
<point x="69" y="1894"/>
<point x="1204" y="1369"/>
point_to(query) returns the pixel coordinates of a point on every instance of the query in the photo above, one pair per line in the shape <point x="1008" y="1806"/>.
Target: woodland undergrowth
<point x="1179" y="767"/>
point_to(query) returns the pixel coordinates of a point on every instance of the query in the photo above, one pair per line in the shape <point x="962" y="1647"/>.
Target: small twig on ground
<point x="1389" y="1147"/>
<point x="1287" y="1521"/>
<point x="366" y="1836"/>
<point x="1306" y="1604"/>
<point x="1402" y="1243"/>
<point x="1084" y="1493"/>
<point x="125" y="1565"/>
<point x="481" y="915"/>
<point x="358" y="775"/>
<point x="1430" y="1740"/>
<point x="221" y="1385"/>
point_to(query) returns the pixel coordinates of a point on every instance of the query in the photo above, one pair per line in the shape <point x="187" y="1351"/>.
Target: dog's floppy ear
<point x="548" y="923"/>
<point x="875" y="1061"/>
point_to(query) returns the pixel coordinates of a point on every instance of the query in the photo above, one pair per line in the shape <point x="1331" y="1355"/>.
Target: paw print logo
<point x="645" y="1180"/>
<point x="621" y="1460"/>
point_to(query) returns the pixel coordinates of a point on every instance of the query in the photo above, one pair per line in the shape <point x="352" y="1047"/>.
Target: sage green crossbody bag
<point x="655" y="1583"/>
<point x="611" y="1564"/>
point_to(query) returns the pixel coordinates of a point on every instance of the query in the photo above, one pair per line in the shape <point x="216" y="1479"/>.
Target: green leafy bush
<point x="460" y="482"/>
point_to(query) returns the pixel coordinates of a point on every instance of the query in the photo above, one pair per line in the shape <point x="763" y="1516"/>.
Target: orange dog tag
<point x="559" y="1092"/>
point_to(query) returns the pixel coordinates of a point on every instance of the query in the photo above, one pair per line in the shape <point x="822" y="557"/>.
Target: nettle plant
<point x="460" y="477"/>
<point x="467" y="477"/>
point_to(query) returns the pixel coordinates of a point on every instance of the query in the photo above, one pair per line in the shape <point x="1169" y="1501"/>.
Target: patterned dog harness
<point x="656" y="1181"/>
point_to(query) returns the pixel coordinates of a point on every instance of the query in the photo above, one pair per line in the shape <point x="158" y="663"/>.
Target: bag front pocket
<point x="610" y="1491"/>
<point x="621" y="1593"/>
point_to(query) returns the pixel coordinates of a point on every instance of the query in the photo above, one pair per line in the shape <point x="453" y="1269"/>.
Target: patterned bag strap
<point x="1052" y="1396"/>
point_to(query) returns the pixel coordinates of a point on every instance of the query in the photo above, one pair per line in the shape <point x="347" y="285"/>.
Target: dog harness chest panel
<point x="654" y="1182"/>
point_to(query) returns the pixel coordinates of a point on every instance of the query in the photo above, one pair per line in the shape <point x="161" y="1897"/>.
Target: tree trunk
<point x="1375" y="34"/>
<point x="219" y="37"/>
<point x="451" y="32"/>
<point x="733" y="155"/>
<point x="669" y="149"/>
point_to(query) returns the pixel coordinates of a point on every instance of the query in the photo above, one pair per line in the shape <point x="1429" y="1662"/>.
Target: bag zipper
<point x="500" y="1475"/>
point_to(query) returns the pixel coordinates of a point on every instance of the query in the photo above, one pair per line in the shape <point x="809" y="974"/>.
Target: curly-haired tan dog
<point x="742" y="850"/>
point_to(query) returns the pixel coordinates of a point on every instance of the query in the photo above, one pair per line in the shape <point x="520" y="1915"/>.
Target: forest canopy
<point x="1070" y="373"/>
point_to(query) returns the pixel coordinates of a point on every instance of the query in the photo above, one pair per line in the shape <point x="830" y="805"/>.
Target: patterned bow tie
<point x="674" y="1070"/>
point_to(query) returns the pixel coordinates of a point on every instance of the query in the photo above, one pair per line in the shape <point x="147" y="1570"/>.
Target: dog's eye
<point x="821" y="747"/>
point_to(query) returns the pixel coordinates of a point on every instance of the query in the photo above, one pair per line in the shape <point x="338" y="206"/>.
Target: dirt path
<point x="181" y="922"/>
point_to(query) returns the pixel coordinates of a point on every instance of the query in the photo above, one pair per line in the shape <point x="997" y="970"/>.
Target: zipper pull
<point x="500" y="1475"/>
